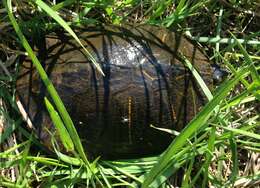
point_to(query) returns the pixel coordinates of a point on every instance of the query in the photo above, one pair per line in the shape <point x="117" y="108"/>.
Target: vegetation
<point x="219" y="147"/>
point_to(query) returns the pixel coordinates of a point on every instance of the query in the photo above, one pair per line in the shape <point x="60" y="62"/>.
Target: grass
<point x="219" y="147"/>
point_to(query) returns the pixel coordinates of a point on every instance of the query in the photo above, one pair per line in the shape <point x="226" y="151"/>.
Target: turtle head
<point x="219" y="74"/>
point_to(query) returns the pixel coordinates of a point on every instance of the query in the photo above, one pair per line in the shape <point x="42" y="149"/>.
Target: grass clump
<point x="219" y="147"/>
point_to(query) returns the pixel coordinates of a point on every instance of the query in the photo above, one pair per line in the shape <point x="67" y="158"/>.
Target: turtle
<point x="145" y="85"/>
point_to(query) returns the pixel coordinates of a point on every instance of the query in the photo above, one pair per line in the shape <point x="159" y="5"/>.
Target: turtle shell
<point x="145" y="84"/>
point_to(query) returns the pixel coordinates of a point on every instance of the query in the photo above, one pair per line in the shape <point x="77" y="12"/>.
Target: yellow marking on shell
<point x="146" y="74"/>
<point x="130" y="119"/>
<point x="164" y="37"/>
<point x="179" y="77"/>
<point x="173" y="113"/>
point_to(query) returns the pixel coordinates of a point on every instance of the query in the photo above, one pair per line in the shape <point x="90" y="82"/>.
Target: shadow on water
<point x="145" y="83"/>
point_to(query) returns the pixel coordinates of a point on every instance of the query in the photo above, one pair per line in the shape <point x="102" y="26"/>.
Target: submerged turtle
<point x="145" y="84"/>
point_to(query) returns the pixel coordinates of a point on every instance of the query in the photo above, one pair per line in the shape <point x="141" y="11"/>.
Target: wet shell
<point x="145" y="84"/>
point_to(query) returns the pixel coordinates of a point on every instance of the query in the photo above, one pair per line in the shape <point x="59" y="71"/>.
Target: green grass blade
<point x="58" y="19"/>
<point x="243" y="132"/>
<point x="68" y="159"/>
<point x="187" y="175"/>
<point x="241" y="98"/>
<point x="234" y="174"/>
<point x="170" y="131"/>
<point x="190" y="129"/>
<point x="9" y="129"/>
<point x="10" y="185"/>
<point x="181" y="5"/>
<point x="63" y="133"/>
<point x="249" y="61"/>
<point x="5" y="153"/>
<point x="123" y="172"/>
<point x="198" y="78"/>
<point x="62" y="4"/>
<point x="52" y="91"/>
<point x="46" y="161"/>
<point x="209" y="155"/>
<point x="108" y="184"/>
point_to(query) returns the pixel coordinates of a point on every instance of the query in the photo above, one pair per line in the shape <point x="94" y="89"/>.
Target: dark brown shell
<point x="145" y="83"/>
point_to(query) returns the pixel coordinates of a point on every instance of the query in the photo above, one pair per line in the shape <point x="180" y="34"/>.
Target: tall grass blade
<point x="9" y="129"/>
<point x="52" y="91"/>
<point x="123" y="172"/>
<point x="58" y="19"/>
<point x="249" y="61"/>
<point x="62" y="4"/>
<point x="198" y="78"/>
<point x="63" y="133"/>
<point x="47" y="161"/>
<point x="190" y="129"/>
<point x="243" y="132"/>
<point x="209" y="155"/>
<point x="187" y="175"/>
<point x="68" y="159"/>
<point x="234" y="174"/>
